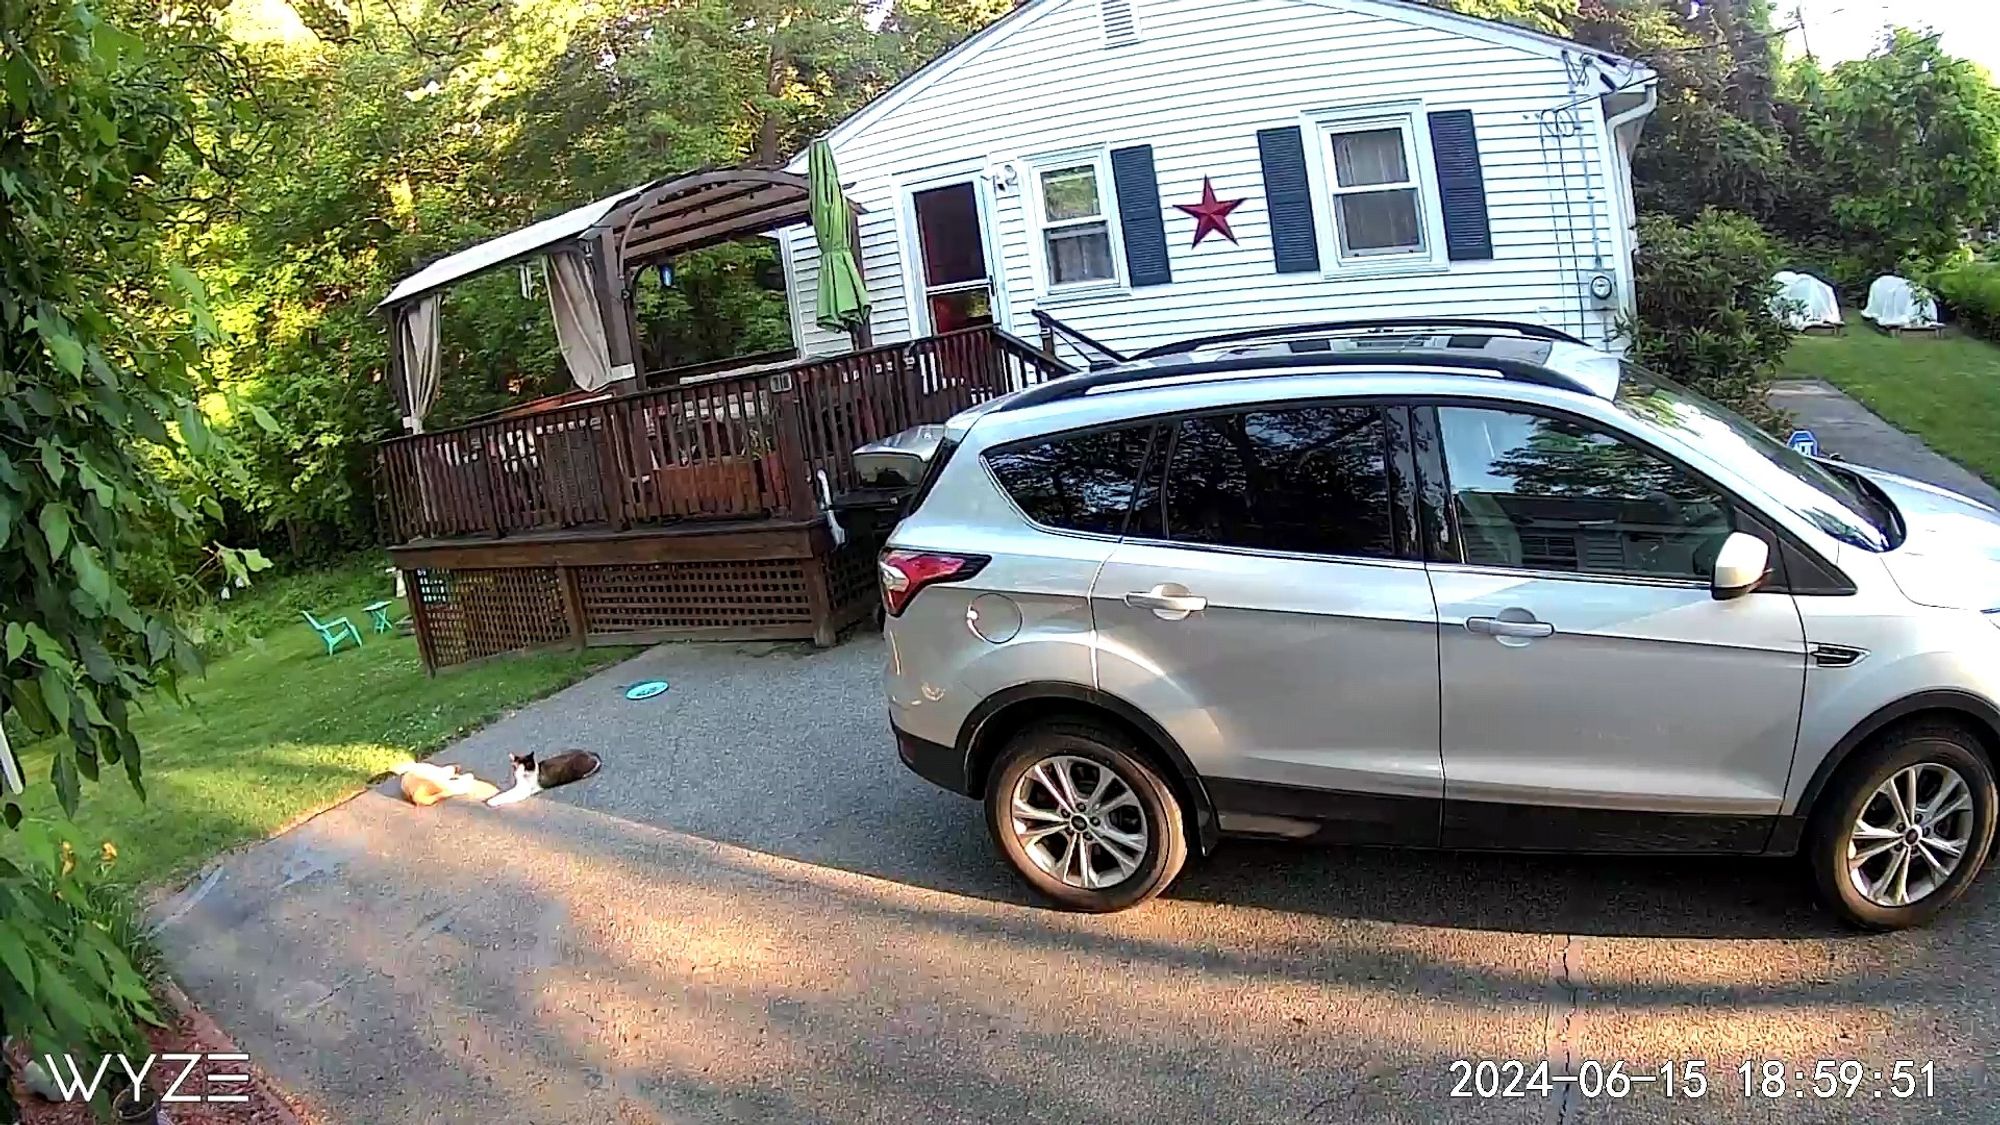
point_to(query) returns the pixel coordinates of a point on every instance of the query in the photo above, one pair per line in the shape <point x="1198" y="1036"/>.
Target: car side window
<point x="1543" y="493"/>
<point x="1308" y="479"/>
<point x="1077" y="482"/>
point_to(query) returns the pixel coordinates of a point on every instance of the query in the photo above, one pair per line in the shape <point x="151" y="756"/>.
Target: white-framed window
<point x="1378" y="190"/>
<point x="1076" y="221"/>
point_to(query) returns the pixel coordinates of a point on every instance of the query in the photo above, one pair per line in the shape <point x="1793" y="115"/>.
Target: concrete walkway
<point x="755" y="914"/>
<point x="1848" y="428"/>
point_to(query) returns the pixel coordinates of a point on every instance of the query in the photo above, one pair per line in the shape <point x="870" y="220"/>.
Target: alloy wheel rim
<point x="1079" y="822"/>
<point x="1912" y="834"/>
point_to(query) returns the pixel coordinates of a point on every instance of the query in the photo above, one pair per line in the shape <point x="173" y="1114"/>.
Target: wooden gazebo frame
<point x="686" y="505"/>
<point x="622" y="236"/>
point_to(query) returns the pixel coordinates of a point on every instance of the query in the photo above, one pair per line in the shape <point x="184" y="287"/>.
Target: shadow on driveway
<point x="754" y="913"/>
<point x="786" y="750"/>
<point x="1628" y="896"/>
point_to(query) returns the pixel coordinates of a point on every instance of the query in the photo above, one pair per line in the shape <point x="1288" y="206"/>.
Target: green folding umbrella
<point x="843" y="299"/>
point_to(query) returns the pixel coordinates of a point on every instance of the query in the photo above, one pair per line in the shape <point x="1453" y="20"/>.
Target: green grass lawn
<point x="1945" y="390"/>
<point x="278" y="729"/>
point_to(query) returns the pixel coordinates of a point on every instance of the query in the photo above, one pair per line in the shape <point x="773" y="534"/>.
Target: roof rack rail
<point x="1078" y="385"/>
<point x="1533" y="331"/>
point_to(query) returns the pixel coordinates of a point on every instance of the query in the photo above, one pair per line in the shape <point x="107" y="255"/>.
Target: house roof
<point x="1633" y="72"/>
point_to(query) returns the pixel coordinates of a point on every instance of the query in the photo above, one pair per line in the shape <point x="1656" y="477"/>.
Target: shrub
<point x="1704" y="317"/>
<point x="1972" y="293"/>
<point x="74" y="957"/>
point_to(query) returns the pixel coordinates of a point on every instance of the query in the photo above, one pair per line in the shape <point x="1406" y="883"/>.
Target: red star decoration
<point x="1211" y="215"/>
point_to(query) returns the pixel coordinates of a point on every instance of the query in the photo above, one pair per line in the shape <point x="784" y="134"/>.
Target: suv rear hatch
<point x="897" y="471"/>
<point x="894" y="474"/>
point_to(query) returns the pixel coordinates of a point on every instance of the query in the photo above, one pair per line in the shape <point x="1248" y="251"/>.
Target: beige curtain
<point x="420" y="359"/>
<point x="579" y="320"/>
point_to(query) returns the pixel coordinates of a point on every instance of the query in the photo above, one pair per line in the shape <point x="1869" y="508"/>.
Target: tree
<point x="1906" y="146"/>
<point x="103" y="113"/>
<point x="1550" y="16"/>
<point x="416" y="130"/>
<point x="917" y="31"/>
<point x="1713" y="139"/>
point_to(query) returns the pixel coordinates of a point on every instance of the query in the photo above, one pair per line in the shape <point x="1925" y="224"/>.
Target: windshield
<point x="1842" y="504"/>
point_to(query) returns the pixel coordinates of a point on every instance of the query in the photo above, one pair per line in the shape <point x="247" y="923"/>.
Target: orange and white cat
<point x="426" y="784"/>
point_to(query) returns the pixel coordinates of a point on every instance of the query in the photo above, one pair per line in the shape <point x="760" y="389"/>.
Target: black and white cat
<point x="531" y="777"/>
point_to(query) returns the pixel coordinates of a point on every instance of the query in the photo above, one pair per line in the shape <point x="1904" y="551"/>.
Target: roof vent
<point x="1121" y="24"/>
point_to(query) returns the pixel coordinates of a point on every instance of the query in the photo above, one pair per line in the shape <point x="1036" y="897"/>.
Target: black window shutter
<point x="1288" y="195"/>
<point x="1461" y="187"/>
<point x="1139" y="217"/>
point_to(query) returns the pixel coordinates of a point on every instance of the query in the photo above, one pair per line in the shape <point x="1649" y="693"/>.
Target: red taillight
<point x="906" y="572"/>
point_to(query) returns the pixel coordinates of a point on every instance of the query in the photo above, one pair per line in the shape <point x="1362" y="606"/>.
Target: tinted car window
<point x="1082" y="482"/>
<point x="1309" y="479"/>
<point x="1829" y="497"/>
<point x="1546" y="494"/>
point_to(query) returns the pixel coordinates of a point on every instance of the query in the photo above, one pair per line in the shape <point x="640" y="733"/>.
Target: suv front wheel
<point x="1083" y="818"/>
<point x="1905" y="828"/>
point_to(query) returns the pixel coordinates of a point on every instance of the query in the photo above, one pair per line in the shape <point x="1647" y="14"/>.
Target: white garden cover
<point x="1892" y="303"/>
<point x="1804" y="301"/>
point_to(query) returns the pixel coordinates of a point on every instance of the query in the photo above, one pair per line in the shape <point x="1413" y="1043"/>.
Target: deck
<point x="688" y="510"/>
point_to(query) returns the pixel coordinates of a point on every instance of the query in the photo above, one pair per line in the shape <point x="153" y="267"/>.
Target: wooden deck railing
<point x="739" y="447"/>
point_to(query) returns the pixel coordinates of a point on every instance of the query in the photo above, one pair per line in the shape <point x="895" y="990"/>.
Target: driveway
<point x="1850" y="429"/>
<point x="755" y="914"/>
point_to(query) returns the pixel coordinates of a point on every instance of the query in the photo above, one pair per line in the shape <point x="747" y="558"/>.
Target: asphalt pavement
<point x="755" y="914"/>
<point x="1846" y="427"/>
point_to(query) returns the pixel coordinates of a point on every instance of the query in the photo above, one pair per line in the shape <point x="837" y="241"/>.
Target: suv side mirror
<point x="1741" y="566"/>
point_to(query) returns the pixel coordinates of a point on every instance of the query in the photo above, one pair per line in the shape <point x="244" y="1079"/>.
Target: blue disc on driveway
<point x="647" y="690"/>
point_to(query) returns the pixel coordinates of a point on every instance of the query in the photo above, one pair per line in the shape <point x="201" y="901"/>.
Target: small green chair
<point x="334" y="632"/>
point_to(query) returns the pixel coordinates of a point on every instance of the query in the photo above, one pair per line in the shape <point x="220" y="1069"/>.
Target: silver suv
<point x="1462" y="585"/>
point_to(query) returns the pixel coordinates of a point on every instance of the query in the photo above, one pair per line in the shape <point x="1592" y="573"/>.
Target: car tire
<point x="1118" y="816"/>
<point x="1925" y="754"/>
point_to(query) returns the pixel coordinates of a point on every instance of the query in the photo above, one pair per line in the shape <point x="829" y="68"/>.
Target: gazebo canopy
<point x="650" y="223"/>
<point x="514" y="246"/>
<point x="593" y="251"/>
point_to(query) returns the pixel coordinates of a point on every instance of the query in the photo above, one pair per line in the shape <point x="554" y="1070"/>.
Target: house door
<point x="1586" y="668"/>
<point x="958" y="287"/>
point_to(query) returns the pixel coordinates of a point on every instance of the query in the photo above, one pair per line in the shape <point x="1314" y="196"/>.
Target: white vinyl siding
<point x="1199" y="84"/>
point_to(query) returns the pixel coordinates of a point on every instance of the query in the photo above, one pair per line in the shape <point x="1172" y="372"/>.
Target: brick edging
<point x="207" y="1029"/>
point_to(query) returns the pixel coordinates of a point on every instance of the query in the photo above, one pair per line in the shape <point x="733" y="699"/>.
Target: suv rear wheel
<point x="1083" y="818"/>
<point x="1905" y="827"/>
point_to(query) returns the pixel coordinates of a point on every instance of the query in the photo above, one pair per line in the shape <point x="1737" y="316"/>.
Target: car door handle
<point x="1170" y="601"/>
<point x="1495" y="627"/>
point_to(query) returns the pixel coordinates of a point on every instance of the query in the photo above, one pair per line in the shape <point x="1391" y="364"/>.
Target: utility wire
<point x="1737" y="42"/>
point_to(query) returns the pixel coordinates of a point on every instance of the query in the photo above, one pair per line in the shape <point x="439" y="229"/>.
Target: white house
<point x="1147" y="170"/>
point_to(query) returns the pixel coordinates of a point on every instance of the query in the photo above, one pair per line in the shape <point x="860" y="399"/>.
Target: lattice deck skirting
<point x="470" y="601"/>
